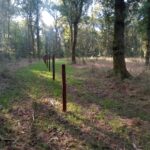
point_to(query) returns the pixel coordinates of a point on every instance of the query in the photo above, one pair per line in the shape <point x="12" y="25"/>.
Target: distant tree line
<point x="82" y="28"/>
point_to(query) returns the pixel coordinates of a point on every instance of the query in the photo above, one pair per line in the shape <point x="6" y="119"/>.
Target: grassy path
<point x="102" y="113"/>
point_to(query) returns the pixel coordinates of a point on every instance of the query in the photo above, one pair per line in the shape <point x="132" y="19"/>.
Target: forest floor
<point x="104" y="113"/>
<point x="11" y="66"/>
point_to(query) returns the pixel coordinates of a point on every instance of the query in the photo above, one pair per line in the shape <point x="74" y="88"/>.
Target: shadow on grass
<point x="87" y="93"/>
<point x="6" y="133"/>
<point x="35" y="82"/>
<point x="95" y="139"/>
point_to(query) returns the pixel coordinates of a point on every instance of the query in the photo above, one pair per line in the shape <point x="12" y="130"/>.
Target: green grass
<point x="34" y="83"/>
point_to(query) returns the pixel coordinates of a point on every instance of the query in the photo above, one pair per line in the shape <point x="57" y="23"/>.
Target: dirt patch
<point x="134" y="65"/>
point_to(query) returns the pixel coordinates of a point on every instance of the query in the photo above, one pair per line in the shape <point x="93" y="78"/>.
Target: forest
<point x="74" y="74"/>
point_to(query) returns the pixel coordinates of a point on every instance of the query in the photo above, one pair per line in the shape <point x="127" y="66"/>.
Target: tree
<point x="119" y="65"/>
<point x="37" y="8"/>
<point x="133" y="37"/>
<point x="27" y="11"/>
<point x="30" y="22"/>
<point x="19" y="42"/>
<point x="147" y="57"/>
<point x="6" y="12"/>
<point x="107" y="15"/>
<point x="53" y="10"/>
<point x="73" y="10"/>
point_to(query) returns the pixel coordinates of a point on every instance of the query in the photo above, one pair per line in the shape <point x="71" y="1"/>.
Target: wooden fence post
<point x="64" y="95"/>
<point x="53" y="65"/>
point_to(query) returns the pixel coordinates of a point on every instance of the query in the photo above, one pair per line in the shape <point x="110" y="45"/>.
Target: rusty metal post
<point x="64" y="95"/>
<point x="49" y="65"/>
<point x="53" y="65"/>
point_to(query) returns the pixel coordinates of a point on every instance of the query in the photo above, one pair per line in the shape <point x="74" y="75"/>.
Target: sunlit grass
<point x="33" y="81"/>
<point x="102" y="115"/>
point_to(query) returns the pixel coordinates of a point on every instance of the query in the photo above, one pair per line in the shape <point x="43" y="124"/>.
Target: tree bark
<point x="71" y="37"/>
<point x="74" y="42"/>
<point x="119" y="65"/>
<point x="147" y="56"/>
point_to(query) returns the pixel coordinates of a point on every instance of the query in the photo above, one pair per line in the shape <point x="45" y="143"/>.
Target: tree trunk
<point x="37" y="30"/>
<point x="71" y="37"/>
<point x="75" y="34"/>
<point x="33" y="43"/>
<point x="56" y="37"/>
<point x="31" y="32"/>
<point x="147" y="57"/>
<point x="119" y="65"/>
<point x="29" y="39"/>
